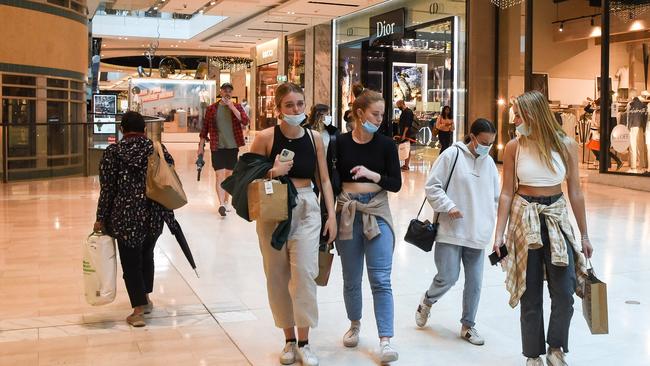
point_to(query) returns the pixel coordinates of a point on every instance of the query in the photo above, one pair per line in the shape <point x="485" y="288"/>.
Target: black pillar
<point x="528" y="51"/>
<point x="605" y="97"/>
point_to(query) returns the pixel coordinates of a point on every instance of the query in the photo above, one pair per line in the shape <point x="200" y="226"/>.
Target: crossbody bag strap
<point x="317" y="172"/>
<point x="453" y="167"/>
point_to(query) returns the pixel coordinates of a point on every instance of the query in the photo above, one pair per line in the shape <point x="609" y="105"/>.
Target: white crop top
<point x="532" y="171"/>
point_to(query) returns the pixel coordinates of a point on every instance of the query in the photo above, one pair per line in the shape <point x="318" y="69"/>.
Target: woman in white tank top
<point x="540" y="238"/>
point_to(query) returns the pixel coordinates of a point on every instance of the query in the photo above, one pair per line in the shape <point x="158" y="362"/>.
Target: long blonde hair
<point x="546" y="134"/>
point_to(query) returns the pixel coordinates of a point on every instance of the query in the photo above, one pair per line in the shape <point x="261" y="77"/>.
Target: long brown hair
<point x="363" y="101"/>
<point x="546" y="134"/>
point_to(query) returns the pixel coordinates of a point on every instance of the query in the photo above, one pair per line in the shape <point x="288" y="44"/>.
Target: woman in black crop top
<point x="369" y="167"/>
<point x="290" y="271"/>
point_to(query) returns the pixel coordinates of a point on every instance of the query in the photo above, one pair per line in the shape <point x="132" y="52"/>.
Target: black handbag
<point x="422" y="234"/>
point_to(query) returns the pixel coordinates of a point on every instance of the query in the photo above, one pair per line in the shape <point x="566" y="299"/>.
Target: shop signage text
<point x="267" y="53"/>
<point x="388" y="26"/>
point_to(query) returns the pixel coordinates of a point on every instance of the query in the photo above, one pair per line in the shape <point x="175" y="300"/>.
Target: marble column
<point x="323" y="64"/>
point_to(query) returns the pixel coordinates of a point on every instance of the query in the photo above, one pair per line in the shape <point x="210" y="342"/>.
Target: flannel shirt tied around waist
<point x="524" y="233"/>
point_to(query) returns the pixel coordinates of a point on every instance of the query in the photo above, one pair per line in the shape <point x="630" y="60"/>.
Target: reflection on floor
<point x="223" y="318"/>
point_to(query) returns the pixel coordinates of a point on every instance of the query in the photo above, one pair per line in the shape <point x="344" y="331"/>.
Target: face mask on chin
<point x="370" y="127"/>
<point x="293" y="119"/>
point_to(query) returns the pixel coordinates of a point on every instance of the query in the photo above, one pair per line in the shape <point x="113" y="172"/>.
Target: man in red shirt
<point x="222" y="126"/>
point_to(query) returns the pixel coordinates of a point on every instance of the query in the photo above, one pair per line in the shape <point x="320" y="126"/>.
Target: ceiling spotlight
<point x="155" y="8"/>
<point x="201" y="11"/>
<point x="237" y="35"/>
<point x="637" y="25"/>
<point x="212" y="2"/>
<point x="561" y="27"/>
<point x="291" y="12"/>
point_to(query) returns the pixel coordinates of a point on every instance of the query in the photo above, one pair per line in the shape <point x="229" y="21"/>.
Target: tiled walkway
<point x="223" y="318"/>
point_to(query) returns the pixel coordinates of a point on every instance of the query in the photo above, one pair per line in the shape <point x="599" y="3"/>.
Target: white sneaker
<point x="537" y="361"/>
<point x="351" y="337"/>
<point x="472" y="336"/>
<point x="387" y="353"/>
<point x="288" y="355"/>
<point x="307" y="356"/>
<point x="228" y="206"/>
<point x="555" y="357"/>
<point x="422" y="313"/>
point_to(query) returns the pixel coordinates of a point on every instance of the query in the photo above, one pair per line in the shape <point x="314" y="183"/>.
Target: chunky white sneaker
<point x="537" y="361"/>
<point x="307" y="356"/>
<point x="422" y="313"/>
<point x="472" y="336"/>
<point x="351" y="337"/>
<point x="228" y="207"/>
<point x="288" y="355"/>
<point x="555" y="357"/>
<point x="387" y="353"/>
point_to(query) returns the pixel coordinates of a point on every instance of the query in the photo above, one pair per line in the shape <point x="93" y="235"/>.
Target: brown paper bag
<point x="325" y="259"/>
<point x="594" y="304"/>
<point x="163" y="184"/>
<point x="268" y="200"/>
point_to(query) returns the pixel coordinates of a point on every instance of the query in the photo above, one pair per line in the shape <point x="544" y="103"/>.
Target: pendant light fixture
<point x="505" y="4"/>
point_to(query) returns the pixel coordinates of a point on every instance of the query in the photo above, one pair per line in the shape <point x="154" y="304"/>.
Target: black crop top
<point x="304" y="159"/>
<point x="378" y="155"/>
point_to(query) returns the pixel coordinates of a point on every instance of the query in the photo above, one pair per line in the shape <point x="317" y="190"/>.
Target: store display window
<point x="406" y="51"/>
<point x="267" y="76"/>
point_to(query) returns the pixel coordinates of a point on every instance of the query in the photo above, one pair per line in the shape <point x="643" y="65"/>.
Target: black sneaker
<point x="222" y="211"/>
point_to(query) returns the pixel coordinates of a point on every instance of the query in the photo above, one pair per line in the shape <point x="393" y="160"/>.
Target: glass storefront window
<point x="424" y="65"/>
<point x="267" y="76"/>
<point x="296" y="58"/>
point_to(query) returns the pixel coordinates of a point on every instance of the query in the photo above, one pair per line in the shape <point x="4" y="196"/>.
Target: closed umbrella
<point x="176" y="230"/>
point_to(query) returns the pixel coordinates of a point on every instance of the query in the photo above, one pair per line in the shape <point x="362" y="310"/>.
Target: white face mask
<point x="523" y="129"/>
<point x="293" y="119"/>
<point x="327" y="120"/>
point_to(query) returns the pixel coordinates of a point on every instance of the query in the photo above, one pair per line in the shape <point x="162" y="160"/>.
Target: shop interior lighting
<point x="561" y="27"/>
<point x="505" y="4"/>
<point x="637" y="25"/>
<point x="501" y="102"/>
<point x="629" y="10"/>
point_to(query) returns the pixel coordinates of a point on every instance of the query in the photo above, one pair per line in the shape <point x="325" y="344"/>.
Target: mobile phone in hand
<point x="286" y="155"/>
<point x="494" y="259"/>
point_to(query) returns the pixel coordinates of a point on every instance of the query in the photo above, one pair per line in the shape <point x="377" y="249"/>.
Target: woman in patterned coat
<point x="125" y="212"/>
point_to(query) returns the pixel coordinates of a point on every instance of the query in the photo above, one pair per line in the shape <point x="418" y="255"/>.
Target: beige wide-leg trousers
<point x="290" y="271"/>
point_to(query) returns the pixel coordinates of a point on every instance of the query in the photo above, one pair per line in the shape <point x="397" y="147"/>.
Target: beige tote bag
<point x="163" y="184"/>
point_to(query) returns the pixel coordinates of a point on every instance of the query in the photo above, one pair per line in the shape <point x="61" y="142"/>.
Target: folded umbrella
<point x="199" y="166"/>
<point x="176" y="230"/>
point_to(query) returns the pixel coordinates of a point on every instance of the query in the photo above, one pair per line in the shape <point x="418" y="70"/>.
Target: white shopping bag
<point x="404" y="150"/>
<point x="99" y="267"/>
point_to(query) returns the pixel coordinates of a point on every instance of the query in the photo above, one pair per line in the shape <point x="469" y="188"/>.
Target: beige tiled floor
<point x="223" y="318"/>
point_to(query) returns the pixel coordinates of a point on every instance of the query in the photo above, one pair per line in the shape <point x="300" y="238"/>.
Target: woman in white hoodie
<point x="466" y="219"/>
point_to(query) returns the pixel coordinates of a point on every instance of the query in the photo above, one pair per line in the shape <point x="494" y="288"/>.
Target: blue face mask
<point x="482" y="150"/>
<point x="523" y="129"/>
<point x="293" y="119"/>
<point x="370" y="127"/>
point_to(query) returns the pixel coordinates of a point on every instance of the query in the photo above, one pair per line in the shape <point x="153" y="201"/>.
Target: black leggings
<point x="138" y="269"/>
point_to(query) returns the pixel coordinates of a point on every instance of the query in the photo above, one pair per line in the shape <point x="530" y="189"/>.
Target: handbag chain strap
<point x="446" y="186"/>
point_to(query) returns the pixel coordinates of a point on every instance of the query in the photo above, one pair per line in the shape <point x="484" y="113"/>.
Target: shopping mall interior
<point x="70" y="69"/>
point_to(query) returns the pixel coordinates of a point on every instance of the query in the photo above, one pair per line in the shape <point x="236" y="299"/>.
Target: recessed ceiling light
<point x="237" y="35"/>
<point x="102" y="55"/>
<point x="201" y="11"/>
<point x="155" y="8"/>
<point x="212" y="2"/>
<point x="125" y="38"/>
<point x="291" y="12"/>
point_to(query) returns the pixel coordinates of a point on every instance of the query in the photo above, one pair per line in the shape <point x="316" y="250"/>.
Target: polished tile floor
<point x="223" y="318"/>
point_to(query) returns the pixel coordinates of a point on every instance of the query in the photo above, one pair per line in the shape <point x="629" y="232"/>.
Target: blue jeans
<point x="379" y="260"/>
<point x="448" y="258"/>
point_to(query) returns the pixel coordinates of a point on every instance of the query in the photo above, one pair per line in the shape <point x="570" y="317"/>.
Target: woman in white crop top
<point x="540" y="238"/>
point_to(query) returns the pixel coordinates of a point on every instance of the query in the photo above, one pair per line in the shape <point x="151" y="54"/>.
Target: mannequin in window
<point x="637" y="118"/>
<point x="594" y="140"/>
<point x="623" y="76"/>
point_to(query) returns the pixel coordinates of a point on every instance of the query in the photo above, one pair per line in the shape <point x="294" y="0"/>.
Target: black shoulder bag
<point x="423" y="234"/>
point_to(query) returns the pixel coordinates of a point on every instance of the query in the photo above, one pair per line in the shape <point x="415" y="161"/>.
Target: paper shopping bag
<point x="325" y="259"/>
<point x="268" y="200"/>
<point x="594" y="304"/>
